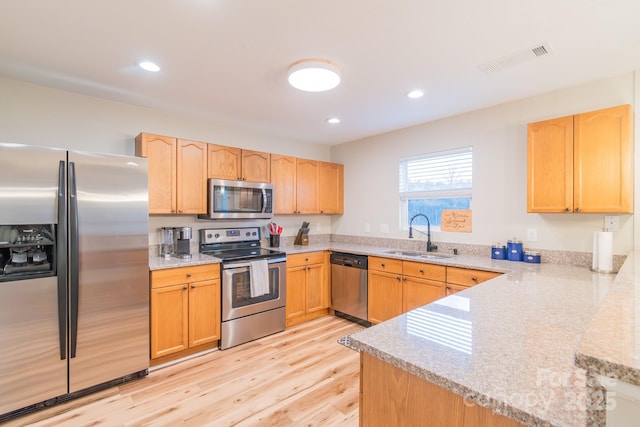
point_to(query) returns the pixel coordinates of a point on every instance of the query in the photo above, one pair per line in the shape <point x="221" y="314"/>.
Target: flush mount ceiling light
<point x="333" y="120"/>
<point x="415" y="94"/>
<point x="149" y="66"/>
<point x="314" y="75"/>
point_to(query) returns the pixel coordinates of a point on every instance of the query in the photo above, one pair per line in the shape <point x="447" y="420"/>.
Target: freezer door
<point x="31" y="369"/>
<point x="109" y="268"/>
<point x="29" y="184"/>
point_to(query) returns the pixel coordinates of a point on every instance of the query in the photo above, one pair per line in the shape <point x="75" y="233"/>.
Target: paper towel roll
<point x="603" y="251"/>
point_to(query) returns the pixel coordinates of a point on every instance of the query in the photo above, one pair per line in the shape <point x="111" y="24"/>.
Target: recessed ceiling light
<point x="314" y="75"/>
<point x="149" y="66"/>
<point x="333" y="120"/>
<point x="416" y="93"/>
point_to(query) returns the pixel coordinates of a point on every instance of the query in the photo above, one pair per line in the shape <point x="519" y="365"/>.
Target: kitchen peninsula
<point x="508" y="345"/>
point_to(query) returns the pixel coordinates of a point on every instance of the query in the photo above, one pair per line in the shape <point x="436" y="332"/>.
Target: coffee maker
<point x="183" y="242"/>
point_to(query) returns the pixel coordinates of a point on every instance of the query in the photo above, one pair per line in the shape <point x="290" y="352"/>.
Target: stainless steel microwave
<point x="239" y="200"/>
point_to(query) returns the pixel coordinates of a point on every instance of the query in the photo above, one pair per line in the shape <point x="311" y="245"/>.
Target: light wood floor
<point x="299" y="377"/>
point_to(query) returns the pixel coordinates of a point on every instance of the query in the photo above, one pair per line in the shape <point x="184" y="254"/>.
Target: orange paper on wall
<point x="458" y="221"/>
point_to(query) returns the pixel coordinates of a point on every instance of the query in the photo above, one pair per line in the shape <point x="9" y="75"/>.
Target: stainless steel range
<point x="253" y="284"/>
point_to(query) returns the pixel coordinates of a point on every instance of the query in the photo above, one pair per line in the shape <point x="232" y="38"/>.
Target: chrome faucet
<point x="430" y="246"/>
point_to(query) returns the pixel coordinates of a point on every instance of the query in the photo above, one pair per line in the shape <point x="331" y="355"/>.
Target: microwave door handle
<point x="264" y="200"/>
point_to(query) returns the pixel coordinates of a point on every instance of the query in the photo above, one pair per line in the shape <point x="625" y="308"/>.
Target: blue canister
<point x="498" y="251"/>
<point x="532" y="257"/>
<point x="514" y="250"/>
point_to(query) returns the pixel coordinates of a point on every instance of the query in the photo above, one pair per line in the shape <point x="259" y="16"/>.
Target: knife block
<point x="301" y="238"/>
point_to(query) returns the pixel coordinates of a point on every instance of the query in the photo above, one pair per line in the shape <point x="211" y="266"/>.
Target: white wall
<point x="38" y="115"/>
<point x="499" y="138"/>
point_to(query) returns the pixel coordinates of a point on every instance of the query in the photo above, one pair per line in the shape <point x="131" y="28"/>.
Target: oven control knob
<point x="254" y="233"/>
<point x="248" y="233"/>
<point x="217" y="235"/>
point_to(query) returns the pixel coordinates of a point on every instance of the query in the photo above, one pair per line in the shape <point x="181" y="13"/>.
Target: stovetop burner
<point x="235" y="244"/>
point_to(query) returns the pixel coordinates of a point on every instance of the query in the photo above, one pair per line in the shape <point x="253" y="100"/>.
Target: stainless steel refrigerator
<point x="74" y="280"/>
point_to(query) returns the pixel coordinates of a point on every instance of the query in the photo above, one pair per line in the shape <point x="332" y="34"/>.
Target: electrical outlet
<point x="318" y="227"/>
<point x="532" y="234"/>
<point x="611" y="223"/>
<point x="384" y="228"/>
<point x="367" y="228"/>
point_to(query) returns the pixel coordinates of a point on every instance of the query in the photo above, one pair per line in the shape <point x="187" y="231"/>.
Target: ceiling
<point x="227" y="60"/>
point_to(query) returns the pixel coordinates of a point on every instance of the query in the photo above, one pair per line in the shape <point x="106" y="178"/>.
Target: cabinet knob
<point x="239" y="178"/>
<point x="193" y="286"/>
<point x="474" y="279"/>
<point x="180" y="211"/>
<point x="398" y="278"/>
<point x="404" y="279"/>
<point x="421" y="271"/>
<point x="577" y="209"/>
<point x="173" y="211"/>
<point x="382" y="265"/>
<point x="566" y="209"/>
<point x="184" y="288"/>
<point x="306" y="259"/>
<point x="448" y="287"/>
<point x="321" y="212"/>
<point x="188" y="274"/>
<point x="244" y="179"/>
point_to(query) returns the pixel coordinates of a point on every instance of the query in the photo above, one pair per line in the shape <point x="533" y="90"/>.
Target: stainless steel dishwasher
<point x="349" y="286"/>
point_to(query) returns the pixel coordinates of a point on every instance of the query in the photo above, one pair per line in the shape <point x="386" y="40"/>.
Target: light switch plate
<point x="611" y="223"/>
<point x="532" y="234"/>
<point x="384" y="228"/>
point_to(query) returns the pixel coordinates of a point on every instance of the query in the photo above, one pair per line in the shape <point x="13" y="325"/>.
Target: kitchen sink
<point x="426" y="255"/>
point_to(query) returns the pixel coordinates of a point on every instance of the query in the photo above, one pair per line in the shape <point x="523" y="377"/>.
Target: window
<point x="434" y="182"/>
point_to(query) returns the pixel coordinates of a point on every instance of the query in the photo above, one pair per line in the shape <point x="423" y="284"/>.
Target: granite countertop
<point x="610" y="345"/>
<point x="161" y="263"/>
<point x="521" y="344"/>
<point x="507" y="344"/>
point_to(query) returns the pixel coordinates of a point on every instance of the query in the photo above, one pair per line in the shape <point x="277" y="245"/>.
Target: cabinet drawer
<point x="175" y="276"/>
<point x="424" y="271"/>
<point x="305" y="259"/>
<point x="385" y="264"/>
<point x="468" y="277"/>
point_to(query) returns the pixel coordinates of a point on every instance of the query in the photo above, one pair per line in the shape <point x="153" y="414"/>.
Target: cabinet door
<point x="296" y="291"/>
<point x="385" y="296"/>
<point x="283" y="177"/>
<point x="224" y="162"/>
<point x="307" y="186"/>
<point x="161" y="153"/>
<point x="317" y="297"/>
<point x="169" y="320"/>
<point x="603" y="161"/>
<point x="256" y="166"/>
<point x="204" y="312"/>
<point x="331" y="188"/>
<point x="550" y="166"/>
<point x="192" y="177"/>
<point x="418" y="292"/>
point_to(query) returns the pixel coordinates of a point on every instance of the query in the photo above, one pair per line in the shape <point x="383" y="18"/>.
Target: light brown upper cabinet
<point x="238" y="164"/>
<point x="331" y="188"/>
<point x="177" y="174"/>
<point x="283" y="178"/>
<point x="303" y="186"/>
<point x="581" y="163"/>
<point x="307" y="186"/>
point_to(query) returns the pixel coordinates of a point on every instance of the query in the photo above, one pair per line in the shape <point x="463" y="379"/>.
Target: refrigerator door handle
<point x="61" y="241"/>
<point x="73" y="260"/>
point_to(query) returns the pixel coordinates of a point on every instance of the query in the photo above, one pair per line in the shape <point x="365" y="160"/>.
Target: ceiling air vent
<point x="540" y="50"/>
<point x="516" y="58"/>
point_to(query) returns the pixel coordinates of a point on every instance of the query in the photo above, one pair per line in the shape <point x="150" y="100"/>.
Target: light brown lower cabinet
<point x="308" y="287"/>
<point x="459" y="279"/>
<point x="396" y="287"/>
<point x="390" y="396"/>
<point x="185" y="310"/>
